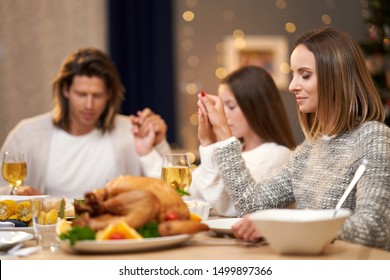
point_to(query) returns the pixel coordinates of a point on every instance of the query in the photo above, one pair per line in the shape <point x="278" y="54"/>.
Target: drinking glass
<point x="46" y="214"/>
<point x="176" y="171"/>
<point x="14" y="169"/>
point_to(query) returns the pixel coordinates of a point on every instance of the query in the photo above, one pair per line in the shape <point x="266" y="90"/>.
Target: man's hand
<point x="149" y="129"/>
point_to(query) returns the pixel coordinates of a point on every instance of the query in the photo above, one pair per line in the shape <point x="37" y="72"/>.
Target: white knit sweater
<point x="316" y="177"/>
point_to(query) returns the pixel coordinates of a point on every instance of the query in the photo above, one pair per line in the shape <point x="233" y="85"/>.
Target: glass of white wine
<point x="176" y="171"/>
<point x="14" y="169"/>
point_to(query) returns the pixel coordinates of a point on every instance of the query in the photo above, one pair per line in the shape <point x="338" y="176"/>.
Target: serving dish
<point x="23" y="229"/>
<point x="124" y="245"/>
<point x="21" y="197"/>
<point x="8" y="239"/>
<point x="69" y="211"/>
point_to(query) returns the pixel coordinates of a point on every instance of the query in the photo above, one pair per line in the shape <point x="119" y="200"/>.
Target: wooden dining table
<point x="206" y="246"/>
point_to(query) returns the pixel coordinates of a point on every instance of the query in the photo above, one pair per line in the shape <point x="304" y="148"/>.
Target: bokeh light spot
<point x="188" y="16"/>
<point x="191" y="88"/>
<point x="290" y="27"/>
<point x="221" y="72"/>
<point x="193" y="61"/>
<point x="326" y="19"/>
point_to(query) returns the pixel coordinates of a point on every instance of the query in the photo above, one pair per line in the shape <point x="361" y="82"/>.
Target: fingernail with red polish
<point x="203" y="93"/>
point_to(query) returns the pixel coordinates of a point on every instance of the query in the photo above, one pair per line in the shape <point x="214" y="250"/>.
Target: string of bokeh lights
<point x="191" y="86"/>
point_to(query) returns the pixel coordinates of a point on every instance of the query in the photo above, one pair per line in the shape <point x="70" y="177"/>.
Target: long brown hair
<point x="89" y="62"/>
<point x="346" y="92"/>
<point x="260" y="101"/>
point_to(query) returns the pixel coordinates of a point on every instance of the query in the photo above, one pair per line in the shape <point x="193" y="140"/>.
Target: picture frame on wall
<point x="269" y="52"/>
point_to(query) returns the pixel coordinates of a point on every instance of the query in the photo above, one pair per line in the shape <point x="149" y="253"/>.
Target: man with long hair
<point x="84" y="142"/>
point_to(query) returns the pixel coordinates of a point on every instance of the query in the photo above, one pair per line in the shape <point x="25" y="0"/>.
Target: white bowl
<point x="298" y="231"/>
<point x="200" y="208"/>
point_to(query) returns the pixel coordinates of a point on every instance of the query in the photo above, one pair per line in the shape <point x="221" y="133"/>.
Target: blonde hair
<point x="89" y="62"/>
<point x="347" y="96"/>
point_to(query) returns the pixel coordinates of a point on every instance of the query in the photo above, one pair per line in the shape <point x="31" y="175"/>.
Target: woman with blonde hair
<point x="342" y="116"/>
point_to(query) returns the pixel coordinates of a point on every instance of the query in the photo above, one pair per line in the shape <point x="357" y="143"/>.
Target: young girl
<point x="255" y="115"/>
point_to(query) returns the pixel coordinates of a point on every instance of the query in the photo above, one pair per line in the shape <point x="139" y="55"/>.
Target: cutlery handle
<point x="355" y="179"/>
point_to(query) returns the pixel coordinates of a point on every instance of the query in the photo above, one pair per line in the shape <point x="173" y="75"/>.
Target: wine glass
<point x="14" y="169"/>
<point x="176" y="171"/>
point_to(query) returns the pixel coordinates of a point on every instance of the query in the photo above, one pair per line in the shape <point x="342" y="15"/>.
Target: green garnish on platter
<point x="182" y="192"/>
<point x="149" y="230"/>
<point x="78" y="233"/>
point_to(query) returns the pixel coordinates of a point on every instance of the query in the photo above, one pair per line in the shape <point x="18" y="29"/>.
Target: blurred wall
<point x="35" y="36"/>
<point x="200" y="48"/>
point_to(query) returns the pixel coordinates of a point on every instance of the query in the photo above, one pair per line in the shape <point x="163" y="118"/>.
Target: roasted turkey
<point x="137" y="201"/>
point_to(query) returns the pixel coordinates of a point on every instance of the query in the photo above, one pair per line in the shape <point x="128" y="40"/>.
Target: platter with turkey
<point x="129" y="214"/>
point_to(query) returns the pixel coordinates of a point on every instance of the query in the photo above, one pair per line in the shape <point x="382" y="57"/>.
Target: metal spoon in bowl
<point x="359" y="172"/>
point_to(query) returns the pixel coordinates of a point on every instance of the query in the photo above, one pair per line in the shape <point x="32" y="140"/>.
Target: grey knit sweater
<point x="317" y="175"/>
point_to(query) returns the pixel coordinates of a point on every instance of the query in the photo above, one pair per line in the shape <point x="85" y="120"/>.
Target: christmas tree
<point x="377" y="48"/>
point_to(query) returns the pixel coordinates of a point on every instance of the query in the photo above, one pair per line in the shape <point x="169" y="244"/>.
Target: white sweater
<point x="207" y="183"/>
<point x="33" y="136"/>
